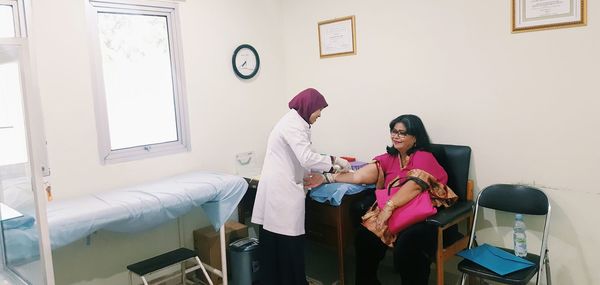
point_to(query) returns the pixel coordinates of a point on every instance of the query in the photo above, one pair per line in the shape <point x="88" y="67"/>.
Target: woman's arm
<point x="365" y="175"/>
<point x="407" y="192"/>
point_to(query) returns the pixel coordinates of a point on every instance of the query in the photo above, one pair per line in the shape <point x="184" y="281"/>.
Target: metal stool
<point x="150" y="265"/>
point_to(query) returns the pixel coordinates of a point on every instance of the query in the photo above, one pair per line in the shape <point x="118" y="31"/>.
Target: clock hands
<point x="243" y="64"/>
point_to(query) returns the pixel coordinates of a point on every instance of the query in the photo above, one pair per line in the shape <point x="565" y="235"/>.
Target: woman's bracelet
<point x="390" y="204"/>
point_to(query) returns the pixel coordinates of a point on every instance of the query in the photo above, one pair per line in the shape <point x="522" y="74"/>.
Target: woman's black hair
<point x="414" y="126"/>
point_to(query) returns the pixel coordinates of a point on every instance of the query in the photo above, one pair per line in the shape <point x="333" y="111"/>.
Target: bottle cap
<point x="519" y="216"/>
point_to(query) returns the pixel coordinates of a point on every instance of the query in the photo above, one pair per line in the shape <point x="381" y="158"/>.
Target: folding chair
<point x="514" y="199"/>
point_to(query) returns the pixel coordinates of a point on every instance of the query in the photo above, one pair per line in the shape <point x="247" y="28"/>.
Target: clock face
<point x="245" y="61"/>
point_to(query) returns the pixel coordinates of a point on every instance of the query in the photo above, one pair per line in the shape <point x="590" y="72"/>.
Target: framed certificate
<point x="337" y="37"/>
<point x="532" y="15"/>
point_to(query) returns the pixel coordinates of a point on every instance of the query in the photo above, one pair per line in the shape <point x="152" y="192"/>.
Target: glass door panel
<point x="19" y="229"/>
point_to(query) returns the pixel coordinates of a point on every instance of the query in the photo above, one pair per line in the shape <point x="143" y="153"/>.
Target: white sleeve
<point x="299" y="142"/>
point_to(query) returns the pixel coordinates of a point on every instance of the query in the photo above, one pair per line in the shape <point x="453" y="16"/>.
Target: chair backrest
<point x="455" y="159"/>
<point x="514" y="198"/>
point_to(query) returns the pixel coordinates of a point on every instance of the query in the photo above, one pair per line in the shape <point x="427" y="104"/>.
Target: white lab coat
<point x="279" y="204"/>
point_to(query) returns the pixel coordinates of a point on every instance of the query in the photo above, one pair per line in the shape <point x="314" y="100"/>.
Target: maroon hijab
<point x="307" y="102"/>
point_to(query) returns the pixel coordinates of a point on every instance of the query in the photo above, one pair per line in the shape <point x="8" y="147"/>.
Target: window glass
<point x="12" y="129"/>
<point x="138" y="79"/>
<point x="7" y="22"/>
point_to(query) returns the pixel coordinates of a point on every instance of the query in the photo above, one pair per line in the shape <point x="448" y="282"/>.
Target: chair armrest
<point x="470" y="185"/>
<point x="452" y="214"/>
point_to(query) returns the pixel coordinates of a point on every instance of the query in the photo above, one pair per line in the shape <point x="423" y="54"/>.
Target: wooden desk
<point x="325" y="224"/>
<point x="332" y="226"/>
<point x="247" y="203"/>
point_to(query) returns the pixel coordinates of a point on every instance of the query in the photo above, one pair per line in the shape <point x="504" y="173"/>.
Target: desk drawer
<point x="322" y="213"/>
<point x="321" y="233"/>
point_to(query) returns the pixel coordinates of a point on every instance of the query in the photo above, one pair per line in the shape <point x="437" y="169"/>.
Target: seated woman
<point x="409" y="159"/>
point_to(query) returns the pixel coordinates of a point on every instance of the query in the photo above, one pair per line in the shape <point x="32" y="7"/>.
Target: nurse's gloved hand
<point x="342" y="165"/>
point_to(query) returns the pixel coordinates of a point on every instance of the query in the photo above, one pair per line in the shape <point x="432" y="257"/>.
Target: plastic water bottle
<point x="519" y="237"/>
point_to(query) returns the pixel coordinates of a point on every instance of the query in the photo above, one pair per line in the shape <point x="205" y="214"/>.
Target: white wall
<point x="526" y="103"/>
<point x="227" y="116"/>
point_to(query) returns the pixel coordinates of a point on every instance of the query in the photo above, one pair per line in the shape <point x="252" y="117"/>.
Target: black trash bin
<point x="243" y="261"/>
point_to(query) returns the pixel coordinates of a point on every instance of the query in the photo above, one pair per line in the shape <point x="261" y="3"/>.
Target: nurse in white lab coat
<point x="279" y="204"/>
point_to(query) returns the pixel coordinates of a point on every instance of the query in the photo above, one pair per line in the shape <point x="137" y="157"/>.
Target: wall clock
<point x="245" y="61"/>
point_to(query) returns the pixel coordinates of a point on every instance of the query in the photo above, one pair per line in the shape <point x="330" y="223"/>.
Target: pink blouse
<point x="421" y="160"/>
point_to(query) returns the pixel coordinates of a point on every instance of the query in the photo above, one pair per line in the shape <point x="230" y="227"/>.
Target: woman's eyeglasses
<point x="400" y="134"/>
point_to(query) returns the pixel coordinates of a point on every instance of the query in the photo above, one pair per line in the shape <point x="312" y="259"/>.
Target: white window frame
<point x="18" y="8"/>
<point x="151" y="8"/>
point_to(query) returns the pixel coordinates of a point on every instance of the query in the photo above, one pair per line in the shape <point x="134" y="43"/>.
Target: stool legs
<point x="182" y="269"/>
<point x="204" y="271"/>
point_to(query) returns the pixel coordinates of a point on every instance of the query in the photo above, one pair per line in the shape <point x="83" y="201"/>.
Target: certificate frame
<point x="536" y="15"/>
<point x="337" y="37"/>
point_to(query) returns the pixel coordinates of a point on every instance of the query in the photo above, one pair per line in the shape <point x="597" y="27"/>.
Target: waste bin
<point x="243" y="261"/>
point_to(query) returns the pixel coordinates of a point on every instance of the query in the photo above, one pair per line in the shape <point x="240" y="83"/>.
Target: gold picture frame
<point x="535" y="15"/>
<point x="337" y="37"/>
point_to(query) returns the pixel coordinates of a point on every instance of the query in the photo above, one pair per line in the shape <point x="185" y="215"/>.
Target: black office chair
<point x="455" y="159"/>
<point x="514" y="199"/>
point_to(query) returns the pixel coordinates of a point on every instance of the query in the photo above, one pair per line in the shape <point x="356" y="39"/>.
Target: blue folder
<point x="495" y="259"/>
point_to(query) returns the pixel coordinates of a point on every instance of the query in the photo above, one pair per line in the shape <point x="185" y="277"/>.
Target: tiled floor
<point x="321" y="264"/>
